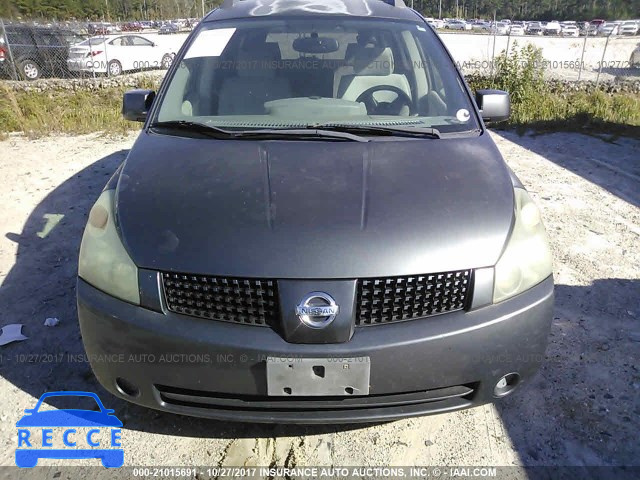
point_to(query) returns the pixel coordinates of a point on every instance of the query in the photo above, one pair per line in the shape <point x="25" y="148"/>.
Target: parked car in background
<point x="629" y="28"/>
<point x="132" y="27"/>
<point x="435" y="22"/>
<point x="534" y="28"/>
<point x="182" y="23"/>
<point x="516" y="29"/>
<point x="552" y="28"/>
<point x="4" y="53"/>
<point x="592" y="30"/>
<point x="500" y="28"/>
<point x="570" y="30"/>
<point x="102" y="28"/>
<point x="481" y="25"/>
<point x="456" y="24"/>
<point x="609" y="28"/>
<point x="169" y="28"/>
<point x="36" y="51"/>
<point x="115" y="55"/>
<point x="634" y="59"/>
<point x="583" y="28"/>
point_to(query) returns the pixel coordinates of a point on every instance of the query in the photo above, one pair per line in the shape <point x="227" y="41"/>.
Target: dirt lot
<point x="583" y="408"/>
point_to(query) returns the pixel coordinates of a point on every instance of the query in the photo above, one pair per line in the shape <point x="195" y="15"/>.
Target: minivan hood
<point x="314" y="209"/>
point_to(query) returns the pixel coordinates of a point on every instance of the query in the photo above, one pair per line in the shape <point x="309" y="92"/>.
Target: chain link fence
<point x="32" y="51"/>
<point x="72" y="50"/>
<point x="590" y="57"/>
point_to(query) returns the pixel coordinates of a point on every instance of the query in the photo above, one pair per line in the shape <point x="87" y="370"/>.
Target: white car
<point x="516" y="30"/>
<point x="629" y="28"/>
<point x="552" y="28"/>
<point x="435" y="22"/>
<point x="115" y="55"/>
<point x="500" y="28"/>
<point x="570" y="30"/>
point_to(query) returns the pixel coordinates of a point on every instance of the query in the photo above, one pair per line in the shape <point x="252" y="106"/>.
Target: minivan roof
<point x="390" y="9"/>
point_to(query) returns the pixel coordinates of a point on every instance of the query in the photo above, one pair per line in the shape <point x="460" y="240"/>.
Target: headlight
<point x="527" y="258"/>
<point x="104" y="263"/>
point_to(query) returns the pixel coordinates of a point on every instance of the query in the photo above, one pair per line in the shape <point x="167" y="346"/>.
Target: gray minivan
<point x="314" y="226"/>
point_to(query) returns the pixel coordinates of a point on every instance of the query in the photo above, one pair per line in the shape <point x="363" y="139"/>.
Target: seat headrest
<point x="373" y="61"/>
<point x="257" y="61"/>
<point x="350" y="52"/>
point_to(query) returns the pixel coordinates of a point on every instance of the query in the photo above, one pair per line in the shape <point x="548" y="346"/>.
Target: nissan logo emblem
<point x="317" y="310"/>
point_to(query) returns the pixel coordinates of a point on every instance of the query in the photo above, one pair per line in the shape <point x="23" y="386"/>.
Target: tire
<point x="29" y="70"/>
<point x="114" y="68"/>
<point x="167" y="60"/>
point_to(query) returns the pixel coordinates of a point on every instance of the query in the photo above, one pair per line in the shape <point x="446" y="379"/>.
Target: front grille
<point x="248" y="301"/>
<point x="394" y="299"/>
<point x="457" y="396"/>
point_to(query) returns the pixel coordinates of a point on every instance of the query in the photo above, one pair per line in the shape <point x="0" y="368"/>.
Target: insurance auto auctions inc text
<point x="358" y="472"/>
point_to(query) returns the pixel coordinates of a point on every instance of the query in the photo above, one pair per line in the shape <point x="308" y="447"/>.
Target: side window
<point x="71" y="38"/>
<point x="47" y="39"/>
<point x="120" y="42"/>
<point x="18" y="37"/>
<point x="140" y="42"/>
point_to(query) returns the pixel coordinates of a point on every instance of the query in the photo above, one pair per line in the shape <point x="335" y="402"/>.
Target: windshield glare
<point x="315" y="71"/>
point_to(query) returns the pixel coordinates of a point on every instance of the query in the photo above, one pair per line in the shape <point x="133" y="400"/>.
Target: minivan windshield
<point x="313" y="71"/>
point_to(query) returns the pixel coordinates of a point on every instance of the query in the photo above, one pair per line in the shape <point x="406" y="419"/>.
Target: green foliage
<point x="66" y="111"/>
<point x="520" y="72"/>
<point x="535" y="105"/>
<point x="155" y="9"/>
<point x="110" y="10"/>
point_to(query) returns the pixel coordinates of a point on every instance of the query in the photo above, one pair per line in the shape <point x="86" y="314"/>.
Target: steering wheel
<point x="385" y="108"/>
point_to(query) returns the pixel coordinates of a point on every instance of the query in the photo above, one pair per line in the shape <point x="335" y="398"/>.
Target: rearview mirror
<point x="315" y="44"/>
<point x="136" y="104"/>
<point x="494" y="105"/>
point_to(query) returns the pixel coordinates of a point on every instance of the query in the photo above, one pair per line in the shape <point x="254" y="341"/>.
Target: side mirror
<point x="136" y="104"/>
<point x="494" y="105"/>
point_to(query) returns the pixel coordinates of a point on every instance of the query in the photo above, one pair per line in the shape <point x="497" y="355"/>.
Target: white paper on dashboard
<point x="210" y="43"/>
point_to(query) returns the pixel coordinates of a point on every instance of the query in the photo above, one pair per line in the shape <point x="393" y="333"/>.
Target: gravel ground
<point x="581" y="409"/>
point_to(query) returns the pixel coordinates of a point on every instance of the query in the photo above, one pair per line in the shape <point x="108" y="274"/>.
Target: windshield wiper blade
<point x="262" y="134"/>
<point x="196" y="127"/>
<point x="427" y="132"/>
<point x="296" y="133"/>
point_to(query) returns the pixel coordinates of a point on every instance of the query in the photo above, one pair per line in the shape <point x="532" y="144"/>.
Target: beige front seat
<point x="346" y="69"/>
<point x="255" y="84"/>
<point x="373" y="66"/>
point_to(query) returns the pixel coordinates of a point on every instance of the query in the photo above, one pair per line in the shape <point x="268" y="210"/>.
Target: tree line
<point x="105" y="10"/>
<point x="112" y="10"/>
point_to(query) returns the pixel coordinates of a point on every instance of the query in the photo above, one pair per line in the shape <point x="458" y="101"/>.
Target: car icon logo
<point x="317" y="310"/>
<point x="73" y="443"/>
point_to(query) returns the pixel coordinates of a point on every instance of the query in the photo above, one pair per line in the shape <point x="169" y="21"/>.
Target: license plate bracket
<point x="296" y="377"/>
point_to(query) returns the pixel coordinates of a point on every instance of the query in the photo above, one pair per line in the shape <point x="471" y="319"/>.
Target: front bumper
<point x="214" y="369"/>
